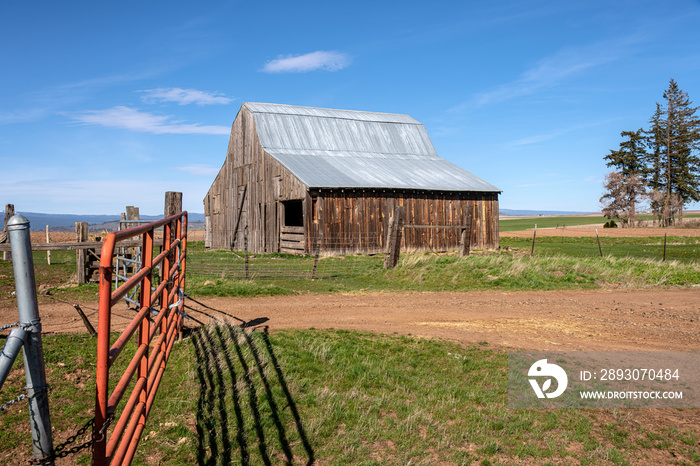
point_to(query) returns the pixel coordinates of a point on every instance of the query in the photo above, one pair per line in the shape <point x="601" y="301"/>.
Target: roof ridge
<point x="363" y="112"/>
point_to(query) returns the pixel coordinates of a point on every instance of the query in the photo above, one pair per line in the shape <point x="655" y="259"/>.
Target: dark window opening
<point x="293" y="213"/>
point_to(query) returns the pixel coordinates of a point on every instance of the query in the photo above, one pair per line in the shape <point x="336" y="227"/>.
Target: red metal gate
<point x="149" y="360"/>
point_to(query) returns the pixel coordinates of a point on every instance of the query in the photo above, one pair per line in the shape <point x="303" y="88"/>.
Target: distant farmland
<point x="528" y="223"/>
<point x="518" y="224"/>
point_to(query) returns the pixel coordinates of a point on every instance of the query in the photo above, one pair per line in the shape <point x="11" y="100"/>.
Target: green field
<point x="558" y="263"/>
<point x="341" y="397"/>
<point x="519" y="224"/>
<point x="678" y="248"/>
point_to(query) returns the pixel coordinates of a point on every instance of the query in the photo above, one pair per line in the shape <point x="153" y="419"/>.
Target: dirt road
<point x="661" y="319"/>
<point x="556" y="320"/>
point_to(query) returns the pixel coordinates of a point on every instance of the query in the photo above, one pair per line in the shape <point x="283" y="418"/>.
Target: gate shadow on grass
<point x="241" y="412"/>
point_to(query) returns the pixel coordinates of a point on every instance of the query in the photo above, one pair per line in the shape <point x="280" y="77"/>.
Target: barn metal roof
<point x="328" y="148"/>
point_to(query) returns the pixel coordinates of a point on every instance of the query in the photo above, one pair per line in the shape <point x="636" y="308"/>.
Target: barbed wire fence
<point x="354" y="255"/>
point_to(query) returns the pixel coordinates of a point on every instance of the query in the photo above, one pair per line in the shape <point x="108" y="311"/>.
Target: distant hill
<point x="66" y="222"/>
<point x="540" y="212"/>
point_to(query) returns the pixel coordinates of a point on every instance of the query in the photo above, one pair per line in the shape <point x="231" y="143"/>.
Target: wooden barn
<point x="300" y="178"/>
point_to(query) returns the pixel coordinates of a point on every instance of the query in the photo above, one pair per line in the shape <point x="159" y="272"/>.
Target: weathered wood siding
<point x="248" y="194"/>
<point x="267" y="183"/>
<point x="352" y="221"/>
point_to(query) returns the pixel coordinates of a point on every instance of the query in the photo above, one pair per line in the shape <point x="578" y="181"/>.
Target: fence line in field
<point x="332" y="261"/>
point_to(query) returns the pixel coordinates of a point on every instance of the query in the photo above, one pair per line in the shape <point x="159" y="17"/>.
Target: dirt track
<point x="556" y="320"/>
<point x="661" y="319"/>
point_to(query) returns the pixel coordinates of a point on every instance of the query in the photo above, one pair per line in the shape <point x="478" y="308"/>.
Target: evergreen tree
<point x="654" y="141"/>
<point x="653" y="169"/>
<point x="671" y="167"/>
<point x="680" y="163"/>
<point x="630" y="158"/>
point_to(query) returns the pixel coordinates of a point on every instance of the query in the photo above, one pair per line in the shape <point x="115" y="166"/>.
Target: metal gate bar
<point x="119" y="446"/>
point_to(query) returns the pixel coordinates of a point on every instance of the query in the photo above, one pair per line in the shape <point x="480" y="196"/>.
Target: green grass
<point x="558" y="263"/>
<point x="519" y="224"/>
<point x="679" y="248"/>
<point x="518" y="272"/>
<point x="341" y="397"/>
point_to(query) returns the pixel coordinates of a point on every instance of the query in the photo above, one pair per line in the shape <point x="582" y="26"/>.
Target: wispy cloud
<point x="319" y="60"/>
<point x="537" y="138"/>
<point x="23" y="116"/>
<point x="134" y="120"/>
<point x="184" y="96"/>
<point x="551" y="71"/>
<point x="199" y="170"/>
<point x="42" y="103"/>
<point x="546" y="183"/>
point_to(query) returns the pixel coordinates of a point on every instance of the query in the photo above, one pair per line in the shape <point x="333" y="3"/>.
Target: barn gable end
<point x="298" y="177"/>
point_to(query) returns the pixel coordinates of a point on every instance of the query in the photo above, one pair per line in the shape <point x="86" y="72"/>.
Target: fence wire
<point x="648" y="248"/>
<point x="333" y="258"/>
<point x="352" y="255"/>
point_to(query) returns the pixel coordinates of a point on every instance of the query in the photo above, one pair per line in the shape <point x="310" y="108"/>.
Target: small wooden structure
<point x="87" y="258"/>
<point x="298" y="179"/>
<point x="4" y="236"/>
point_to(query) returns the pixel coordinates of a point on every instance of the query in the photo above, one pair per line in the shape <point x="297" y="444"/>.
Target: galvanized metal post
<point x="29" y="321"/>
<point x="9" y="352"/>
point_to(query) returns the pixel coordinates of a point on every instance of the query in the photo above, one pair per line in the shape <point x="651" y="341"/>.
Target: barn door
<point x="242" y="223"/>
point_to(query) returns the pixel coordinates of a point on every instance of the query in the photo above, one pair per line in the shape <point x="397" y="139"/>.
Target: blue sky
<point x="108" y="104"/>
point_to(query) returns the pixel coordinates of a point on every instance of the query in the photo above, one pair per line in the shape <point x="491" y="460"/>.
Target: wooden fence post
<point x="207" y="232"/>
<point x="387" y="248"/>
<point x="132" y="213"/>
<point x="664" y="259"/>
<point x="86" y="322"/>
<point x="172" y="206"/>
<point x="4" y="238"/>
<point x="48" y="253"/>
<point x="245" y="252"/>
<point x="317" y="250"/>
<point x="173" y="203"/>
<point x="394" y="236"/>
<point x="534" y="237"/>
<point x="81" y="233"/>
